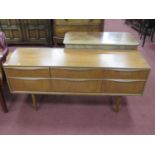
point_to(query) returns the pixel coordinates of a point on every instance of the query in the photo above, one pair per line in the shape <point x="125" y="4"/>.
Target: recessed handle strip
<point x="76" y="69"/>
<point x="23" y="78"/>
<point x="127" y="70"/>
<point x="114" y="80"/>
<point x="98" y="69"/>
<point x="73" y="80"/>
<point x="123" y="80"/>
<point x="28" y="68"/>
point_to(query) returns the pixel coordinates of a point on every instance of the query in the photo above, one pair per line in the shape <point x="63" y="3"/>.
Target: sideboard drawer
<point x="125" y="73"/>
<point x="76" y="85"/>
<point x="28" y="72"/>
<point x="122" y="86"/>
<point x="75" y="73"/>
<point x="78" y="21"/>
<point x="29" y="84"/>
<point x="98" y="73"/>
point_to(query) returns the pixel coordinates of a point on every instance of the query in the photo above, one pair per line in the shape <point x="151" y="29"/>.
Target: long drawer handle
<point x="114" y="80"/>
<point x="76" y="69"/>
<point x="123" y="80"/>
<point x="74" y="80"/>
<point x="127" y="70"/>
<point x="73" y="69"/>
<point x="28" y="78"/>
<point x="77" y="80"/>
<point x="27" y="68"/>
<point x="87" y="69"/>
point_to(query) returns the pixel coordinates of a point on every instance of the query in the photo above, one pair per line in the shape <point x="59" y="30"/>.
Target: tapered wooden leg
<point x="2" y="101"/>
<point x="34" y="102"/>
<point x="117" y="103"/>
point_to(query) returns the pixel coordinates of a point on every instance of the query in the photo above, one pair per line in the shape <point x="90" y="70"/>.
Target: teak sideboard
<point x="76" y="72"/>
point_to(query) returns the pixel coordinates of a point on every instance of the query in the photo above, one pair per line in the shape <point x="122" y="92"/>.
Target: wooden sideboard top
<point x="100" y="38"/>
<point x="60" y="57"/>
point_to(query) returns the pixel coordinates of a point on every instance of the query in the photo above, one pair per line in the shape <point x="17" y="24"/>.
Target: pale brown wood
<point x="77" y="93"/>
<point x="34" y="102"/>
<point x="76" y="85"/>
<point x="117" y="103"/>
<point x="122" y="86"/>
<point x="30" y="57"/>
<point x="29" y="84"/>
<point x="28" y="72"/>
<point x="90" y="86"/>
<point x="103" y="47"/>
<point x="61" y="26"/>
<point x="103" y="40"/>
<point x="91" y="58"/>
<point x="105" y="66"/>
<point x="98" y="73"/>
<point x="76" y="71"/>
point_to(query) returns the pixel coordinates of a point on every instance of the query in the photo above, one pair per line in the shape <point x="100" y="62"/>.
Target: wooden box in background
<point x="61" y="26"/>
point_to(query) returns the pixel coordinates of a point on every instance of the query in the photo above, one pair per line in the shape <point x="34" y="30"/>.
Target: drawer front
<point x="60" y="31"/>
<point x="27" y="72"/>
<point x="75" y="85"/>
<point x="98" y="73"/>
<point x="122" y="86"/>
<point x="78" y="21"/>
<point x="29" y="84"/>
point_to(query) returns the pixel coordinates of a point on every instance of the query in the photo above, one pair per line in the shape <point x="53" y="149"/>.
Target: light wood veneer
<point x="29" y="84"/>
<point x="100" y="40"/>
<point x="28" y="72"/>
<point x="76" y="71"/>
<point x="61" y="26"/>
<point x="98" y="73"/>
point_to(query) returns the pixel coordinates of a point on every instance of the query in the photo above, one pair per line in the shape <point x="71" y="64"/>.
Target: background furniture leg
<point x="152" y="34"/>
<point x="117" y="104"/>
<point x="2" y="101"/>
<point x="34" y="101"/>
<point x="144" y="38"/>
